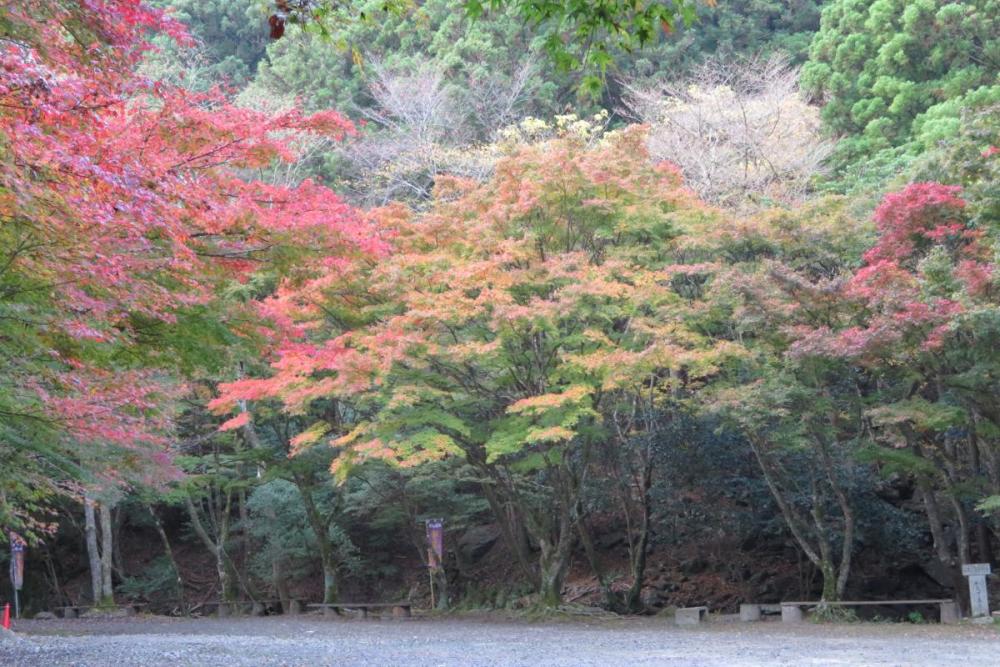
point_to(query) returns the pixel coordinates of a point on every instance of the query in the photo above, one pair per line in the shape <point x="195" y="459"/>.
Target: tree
<point x="739" y="131"/>
<point x="880" y="66"/>
<point x="802" y="417"/>
<point x="229" y="36"/>
<point x="925" y="289"/>
<point x="513" y="336"/>
<point x="125" y="206"/>
<point x="575" y="33"/>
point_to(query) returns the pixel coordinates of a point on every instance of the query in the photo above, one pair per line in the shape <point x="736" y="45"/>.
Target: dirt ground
<point x="309" y="640"/>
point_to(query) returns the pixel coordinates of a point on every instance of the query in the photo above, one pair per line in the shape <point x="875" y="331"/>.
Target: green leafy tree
<point x="231" y="40"/>
<point x="887" y="70"/>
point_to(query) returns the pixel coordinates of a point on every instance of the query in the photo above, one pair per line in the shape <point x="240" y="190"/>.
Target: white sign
<point x="974" y="569"/>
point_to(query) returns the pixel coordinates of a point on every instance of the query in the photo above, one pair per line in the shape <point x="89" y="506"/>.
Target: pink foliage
<point x="918" y="212"/>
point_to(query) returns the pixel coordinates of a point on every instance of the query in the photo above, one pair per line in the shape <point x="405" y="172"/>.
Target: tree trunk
<point x="829" y="573"/>
<point x="553" y="563"/>
<point x="511" y="527"/>
<point x="281" y="583"/>
<point x="633" y="596"/>
<point x="591" y="553"/>
<point x="638" y="555"/>
<point x="168" y="550"/>
<point x="217" y="546"/>
<point x="107" y="555"/>
<point x="320" y="528"/>
<point x="93" y="555"/>
<point x="119" y="561"/>
<point x="331" y="587"/>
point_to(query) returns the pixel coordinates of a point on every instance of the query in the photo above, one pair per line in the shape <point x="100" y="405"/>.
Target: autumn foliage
<point x="542" y="338"/>
<point x="125" y="202"/>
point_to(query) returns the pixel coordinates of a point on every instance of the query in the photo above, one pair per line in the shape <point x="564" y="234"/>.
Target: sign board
<point x="976" y="569"/>
<point x="435" y="542"/>
<point x="17" y="547"/>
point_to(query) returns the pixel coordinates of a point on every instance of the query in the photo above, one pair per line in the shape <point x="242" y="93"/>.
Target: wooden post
<point x="430" y="573"/>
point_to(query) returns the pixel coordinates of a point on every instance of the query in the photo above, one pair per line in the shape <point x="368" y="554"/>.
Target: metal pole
<point x="17" y="604"/>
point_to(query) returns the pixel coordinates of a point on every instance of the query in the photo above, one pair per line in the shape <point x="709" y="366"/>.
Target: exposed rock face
<point x="477" y="541"/>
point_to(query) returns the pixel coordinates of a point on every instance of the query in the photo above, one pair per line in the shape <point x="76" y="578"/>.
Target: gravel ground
<point x="469" y="642"/>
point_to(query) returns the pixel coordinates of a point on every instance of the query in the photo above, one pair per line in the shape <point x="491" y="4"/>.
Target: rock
<point x="44" y="616"/>
<point x="477" y="541"/>
<point x="694" y="565"/>
<point x="938" y="573"/>
<point x="608" y="541"/>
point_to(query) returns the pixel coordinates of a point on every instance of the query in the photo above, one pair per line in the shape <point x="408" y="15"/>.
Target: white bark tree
<point x="421" y="126"/>
<point x="740" y="131"/>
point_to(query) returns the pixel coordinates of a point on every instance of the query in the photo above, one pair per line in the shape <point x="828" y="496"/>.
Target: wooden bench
<point x="74" y="611"/>
<point x="260" y="607"/>
<point x="791" y="612"/>
<point x="399" y="609"/>
<point x="690" y="615"/>
<point x="253" y="607"/>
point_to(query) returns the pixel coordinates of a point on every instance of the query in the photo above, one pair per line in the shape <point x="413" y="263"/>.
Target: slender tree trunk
<point x="320" y="528"/>
<point x="216" y="546"/>
<point x="591" y="553"/>
<point x="247" y="540"/>
<point x="168" y="550"/>
<point x="511" y="528"/>
<point x="633" y="596"/>
<point x="846" y="511"/>
<point x="107" y="555"/>
<point x="93" y="555"/>
<point x="640" y="547"/>
<point x="119" y="561"/>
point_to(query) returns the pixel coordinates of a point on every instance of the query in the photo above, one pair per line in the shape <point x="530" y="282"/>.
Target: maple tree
<point x="125" y="205"/>
<point x="508" y="325"/>
<point x="890" y="337"/>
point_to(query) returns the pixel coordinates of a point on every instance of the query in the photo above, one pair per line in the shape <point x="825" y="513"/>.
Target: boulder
<point x="477" y="541"/>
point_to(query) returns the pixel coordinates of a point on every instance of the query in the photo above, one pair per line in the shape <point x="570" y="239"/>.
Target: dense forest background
<point x="723" y="328"/>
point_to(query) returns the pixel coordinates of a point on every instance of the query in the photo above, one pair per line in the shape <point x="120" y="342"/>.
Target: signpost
<point x="17" y="547"/>
<point x="978" y="596"/>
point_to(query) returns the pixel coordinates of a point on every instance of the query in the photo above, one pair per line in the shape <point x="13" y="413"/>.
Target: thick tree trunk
<point x="107" y="555"/>
<point x="93" y="555"/>
<point x="511" y="527"/>
<point x="442" y="596"/>
<point x="553" y="563"/>
<point x="554" y="559"/>
<point x="281" y="583"/>
<point x="331" y="586"/>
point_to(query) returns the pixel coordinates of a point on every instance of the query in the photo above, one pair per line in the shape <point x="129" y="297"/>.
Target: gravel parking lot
<point x="316" y="641"/>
